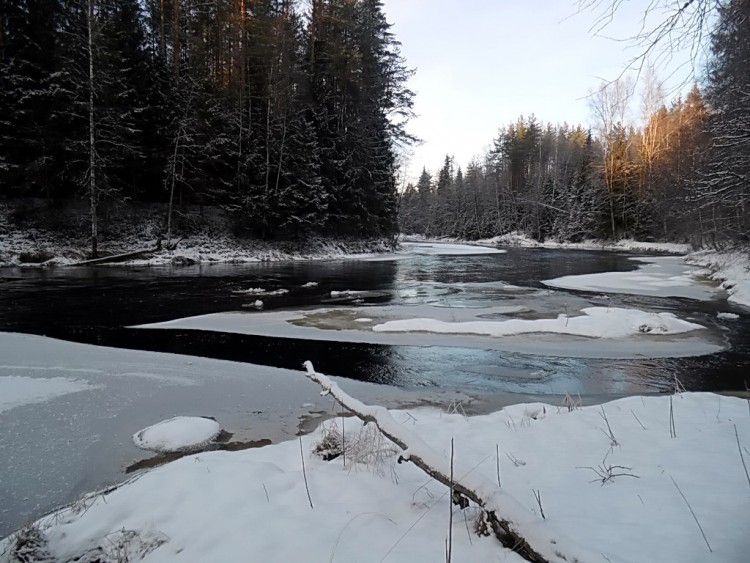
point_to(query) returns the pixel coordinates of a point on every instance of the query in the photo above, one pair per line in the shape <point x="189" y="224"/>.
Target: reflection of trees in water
<point x="91" y="305"/>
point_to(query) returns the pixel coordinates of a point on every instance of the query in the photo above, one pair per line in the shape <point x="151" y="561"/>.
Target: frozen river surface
<point x="485" y="329"/>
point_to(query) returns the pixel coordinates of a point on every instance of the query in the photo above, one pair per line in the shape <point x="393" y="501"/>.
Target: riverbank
<point x="35" y="235"/>
<point x="636" y="479"/>
<point x="520" y="240"/>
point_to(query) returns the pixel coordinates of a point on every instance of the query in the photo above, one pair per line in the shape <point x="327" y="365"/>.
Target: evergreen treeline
<point x="281" y="111"/>
<point x="684" y="175"/>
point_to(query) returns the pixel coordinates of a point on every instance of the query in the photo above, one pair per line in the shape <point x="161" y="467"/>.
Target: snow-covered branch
<point x="512" y="524"/>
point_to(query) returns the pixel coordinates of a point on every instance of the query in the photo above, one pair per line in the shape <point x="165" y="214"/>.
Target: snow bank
<point x="665" y="276"/>
<point x="16" y="391"/>
<point x="519" y="239"/>
<point x="732" y="269"/>
<point x="207" y="238"/>
<point x="597" y="322"/>
<point x="447" y="249"/>
<point x="177" y="434"/>
<point x="610" y="486"/>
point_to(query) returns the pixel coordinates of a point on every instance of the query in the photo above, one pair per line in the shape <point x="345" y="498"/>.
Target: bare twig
<point x="517" y="462"/>
<point x="672" y="428"/>
<point x="497" y="463"/>
<point x="639" y="421"/>
<point x="607" y="473"/>
<point x="737" y="436"/>
<point x="693" y="513"/>
<point x="449" y="544"/>
<point x="304" y="473"/>
<point x="609" y="432"/>
<point x="538" y="497"/>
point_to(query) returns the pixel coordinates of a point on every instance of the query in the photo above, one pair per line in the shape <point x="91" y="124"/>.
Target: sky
<point x="480" y="64"/>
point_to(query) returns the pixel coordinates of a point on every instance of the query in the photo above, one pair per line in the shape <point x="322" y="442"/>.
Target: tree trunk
<point x="93" y="195"/>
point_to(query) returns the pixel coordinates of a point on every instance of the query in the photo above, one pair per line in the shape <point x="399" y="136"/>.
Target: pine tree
<point x="725" y="186"/>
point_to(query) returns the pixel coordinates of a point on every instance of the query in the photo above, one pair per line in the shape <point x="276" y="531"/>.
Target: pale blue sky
<point x="482" y="63"/>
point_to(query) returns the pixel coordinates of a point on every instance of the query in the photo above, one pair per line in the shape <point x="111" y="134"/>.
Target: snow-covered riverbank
<point x="207" y="236"/>
<point x="731" y="268"/>
<point x="523" y="241"/>
<point x="618" y="481"/>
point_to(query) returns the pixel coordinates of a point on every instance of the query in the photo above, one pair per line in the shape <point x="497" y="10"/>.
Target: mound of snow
<point x="177" y="434"/>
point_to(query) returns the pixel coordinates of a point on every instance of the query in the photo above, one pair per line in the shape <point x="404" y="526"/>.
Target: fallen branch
<point x="114" y="258"/>
<point x="517" y="529"/>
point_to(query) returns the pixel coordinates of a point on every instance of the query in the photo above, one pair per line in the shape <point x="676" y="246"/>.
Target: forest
<point x="682" y="174"/>
<point x="286" y="114"/>
<point x="291" y="116"/>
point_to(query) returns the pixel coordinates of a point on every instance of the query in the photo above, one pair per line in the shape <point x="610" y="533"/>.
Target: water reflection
<point x="94" y="304"/>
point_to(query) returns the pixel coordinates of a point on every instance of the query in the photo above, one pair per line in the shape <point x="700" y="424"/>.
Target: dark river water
<point x="94" y="305"/>
<point x="74" y="444"/>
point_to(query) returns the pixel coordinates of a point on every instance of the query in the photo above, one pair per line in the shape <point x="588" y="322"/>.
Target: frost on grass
<point x="177" y="434"/>
<point x="363" y="446"/>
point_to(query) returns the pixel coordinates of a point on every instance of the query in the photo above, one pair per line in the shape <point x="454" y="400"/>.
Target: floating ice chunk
<point x="729" y="316"/>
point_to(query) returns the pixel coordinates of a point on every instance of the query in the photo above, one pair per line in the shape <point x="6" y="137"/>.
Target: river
<point x="70" y="446"/>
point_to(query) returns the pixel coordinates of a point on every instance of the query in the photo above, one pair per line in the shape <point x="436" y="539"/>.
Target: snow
<point x="212" y="242"/>
<point x="16" y="391"/>
<point x="629" y="332"/>
<point x="447" y="249"/>
<point x="728" y="316"/>
<point x="519" y="239"/>
<point x="248" y="505"/>
<point x="522" y="240"/>
<point x="346" y="293"/>
<point x="261" y="291"/>
<point x="732" y="269"/>
<point x="597" y="322"/>
<point x="665" y="276"/>
<point x="177" y="434"/>
<point x="52" y="452"/>
<point x="310" y="284"/>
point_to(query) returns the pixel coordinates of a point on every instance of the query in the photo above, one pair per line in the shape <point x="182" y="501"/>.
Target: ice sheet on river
<point x="95" y="398"/>
<point x="662" y="276"/>
<point x="617" y="332"/>
<point x="16" y="390"/>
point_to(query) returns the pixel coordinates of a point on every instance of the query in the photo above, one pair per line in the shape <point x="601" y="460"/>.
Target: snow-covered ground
<point x="210" y="239"/>
<point x="612" y="481"/>
<point x="663" y="276"/>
